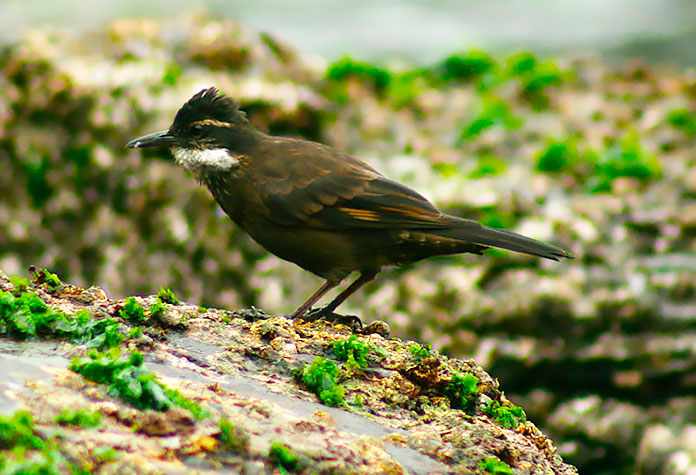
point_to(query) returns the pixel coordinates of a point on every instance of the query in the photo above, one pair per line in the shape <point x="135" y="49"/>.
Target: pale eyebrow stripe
<point x="214" y="122"/>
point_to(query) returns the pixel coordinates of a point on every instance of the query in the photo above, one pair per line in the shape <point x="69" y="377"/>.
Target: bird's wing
<point x="347" y="195"/>
<point x="341" y="202"/>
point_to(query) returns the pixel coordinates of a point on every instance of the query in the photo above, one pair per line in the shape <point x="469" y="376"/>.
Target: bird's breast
<point x="230" y="193"/>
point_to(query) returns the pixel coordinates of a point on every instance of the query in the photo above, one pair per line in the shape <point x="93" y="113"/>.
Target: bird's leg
<point x="302" y="309"/>
<point x="327" y="312"/>
<point x="364" y="278"/>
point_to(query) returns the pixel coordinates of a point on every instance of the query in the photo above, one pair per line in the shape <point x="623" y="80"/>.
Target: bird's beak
<point x="152" y="140"/>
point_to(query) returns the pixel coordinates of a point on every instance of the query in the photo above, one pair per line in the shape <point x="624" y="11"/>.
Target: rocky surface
<point x="600" y="351"/>
<point x="397" y="414"/>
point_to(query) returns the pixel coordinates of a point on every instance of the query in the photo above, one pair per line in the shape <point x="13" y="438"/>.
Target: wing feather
<point x="327" y="189"/>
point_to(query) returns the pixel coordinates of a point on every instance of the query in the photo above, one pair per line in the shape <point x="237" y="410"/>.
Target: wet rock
<point x="225" y="415"/>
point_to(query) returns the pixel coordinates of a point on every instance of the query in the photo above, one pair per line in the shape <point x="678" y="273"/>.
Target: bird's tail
<point x="474" y="232"/>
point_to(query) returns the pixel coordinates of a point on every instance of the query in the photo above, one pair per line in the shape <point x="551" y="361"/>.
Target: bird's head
<point x="209" y="133"/>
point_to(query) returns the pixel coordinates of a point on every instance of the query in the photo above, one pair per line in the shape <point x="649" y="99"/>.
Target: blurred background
<point x="572" y="122"/>
<point x="411" y="30"/>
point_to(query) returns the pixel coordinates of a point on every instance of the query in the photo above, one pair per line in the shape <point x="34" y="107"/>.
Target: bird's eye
<point x="196" y="130"/>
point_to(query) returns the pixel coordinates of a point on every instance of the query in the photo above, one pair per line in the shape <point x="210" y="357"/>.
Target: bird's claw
<point x="324" y="313"/>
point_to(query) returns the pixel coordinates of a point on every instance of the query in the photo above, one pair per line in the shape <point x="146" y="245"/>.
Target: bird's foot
<point x="251" y="314"/>
<point x="329" y="315"/>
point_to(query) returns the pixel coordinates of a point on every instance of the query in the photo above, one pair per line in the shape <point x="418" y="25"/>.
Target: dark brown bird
<point x="318" y="207"/>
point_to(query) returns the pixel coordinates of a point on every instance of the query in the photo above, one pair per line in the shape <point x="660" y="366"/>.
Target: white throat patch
<point x="218" y="159"/>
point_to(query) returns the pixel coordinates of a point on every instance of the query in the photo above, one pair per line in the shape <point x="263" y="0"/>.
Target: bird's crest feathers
<point x="210" y="104"/>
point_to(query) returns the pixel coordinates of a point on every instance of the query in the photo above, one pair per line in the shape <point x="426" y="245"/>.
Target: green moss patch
<point x="281" y="455"/>
<point x="27" y="315"/>
<point x="419" y="352"/>
<point x="167" y="295"/>
<point x="625" y="159"/>
<point x="353" y="351"/>
<point x="683" y="119"/>
<point x="507" y="416"/>
<point x="493" y="112"/>
<point x="495" y="466"/>
<point x="128" y="379"/>
<point x="321" y="377"/>
<point x="558" y="156"/>
<point x="157" y="310"/>
<point x="535" y="77"/>
<point x="462" y="391"/>
<point x="24" y="451"/>
<point x="488" y="165"/>
<point x="81" y="418"/>
<point x="346" y="68"/>
<point x="232" y="437"/>
<point x="132" y="311"/>
<point x="400" y="88"/>
<point x="50" y="279"/>
<point x="466" y="67"/>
